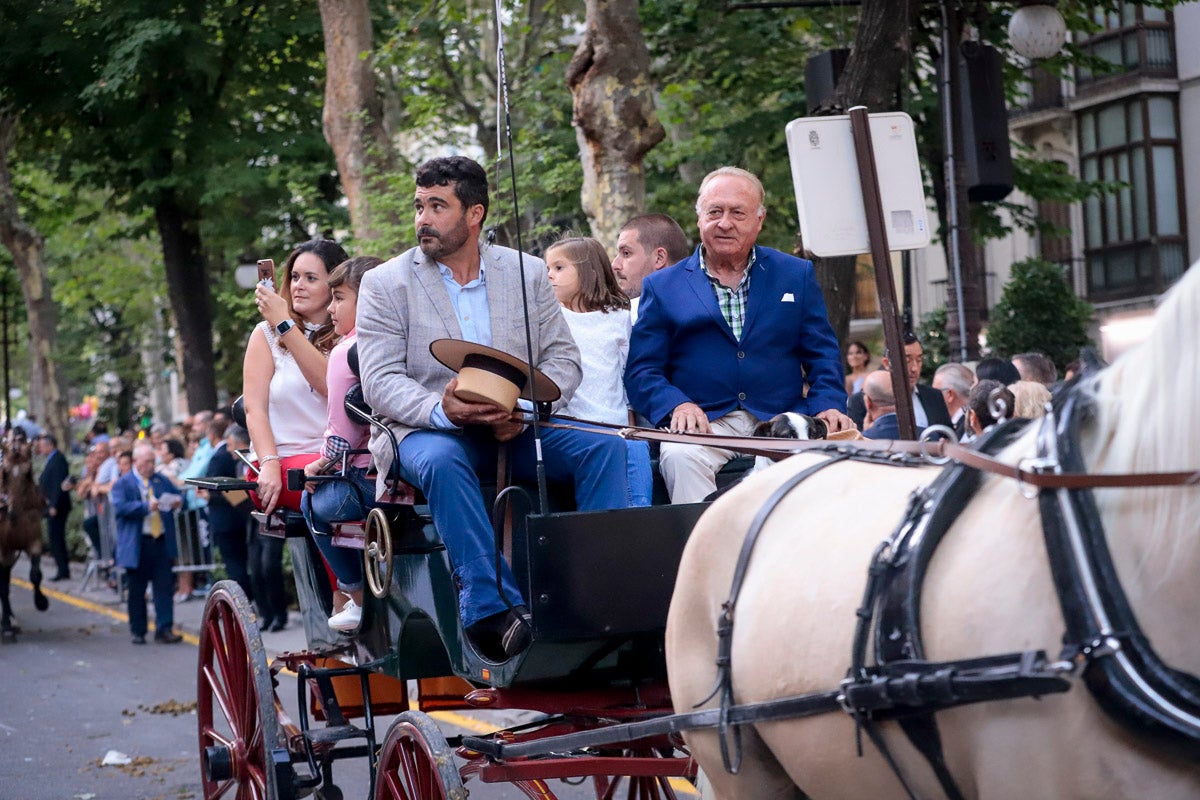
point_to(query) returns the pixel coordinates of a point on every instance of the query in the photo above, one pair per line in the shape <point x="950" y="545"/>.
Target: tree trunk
<point x="191" y="298"/>
<point x="871" y="78"/>
<point x="838" y="277"/>
<point x="27" y="247"/>
<point x="353" y="119"/>
<point x="615" y="121"/>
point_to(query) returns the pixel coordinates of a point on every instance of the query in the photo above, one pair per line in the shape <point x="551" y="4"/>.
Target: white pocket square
<point x="788" y="297"/>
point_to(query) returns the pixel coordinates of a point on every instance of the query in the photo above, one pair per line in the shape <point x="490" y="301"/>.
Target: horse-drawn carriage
<point x="1051" y="571"/>
<point x="598" y="586"/>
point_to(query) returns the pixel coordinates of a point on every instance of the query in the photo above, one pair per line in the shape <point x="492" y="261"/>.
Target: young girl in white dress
<point x="598" y="315"/>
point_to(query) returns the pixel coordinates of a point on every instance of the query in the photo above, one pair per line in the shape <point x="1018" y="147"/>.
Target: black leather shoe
<point x="519" y="633"/>
<point x="279" y="624"/>
<point x="167" y="637"/>
<point x="501" y="636"/>
<point x="138" y="640"/>
<point x="60" y="578"/>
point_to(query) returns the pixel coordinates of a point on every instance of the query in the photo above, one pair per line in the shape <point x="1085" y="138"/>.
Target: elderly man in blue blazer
<point x="143" y="501"/>
<point x="729" y="337"/>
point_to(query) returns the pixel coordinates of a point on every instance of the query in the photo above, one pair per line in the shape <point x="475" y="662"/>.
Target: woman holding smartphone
<point x="283" y="386"/>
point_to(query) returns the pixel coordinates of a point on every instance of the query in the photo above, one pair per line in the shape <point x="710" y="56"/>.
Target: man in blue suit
<point x="143" y="501"/>
<point x="881" y="421"/>
<point x="730" y="336"/>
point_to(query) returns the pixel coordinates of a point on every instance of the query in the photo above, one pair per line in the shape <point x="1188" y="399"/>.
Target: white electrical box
<point x="833" y="221"/>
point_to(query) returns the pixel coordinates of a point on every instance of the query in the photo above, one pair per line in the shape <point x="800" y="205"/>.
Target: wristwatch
<point x="283" y="327"/>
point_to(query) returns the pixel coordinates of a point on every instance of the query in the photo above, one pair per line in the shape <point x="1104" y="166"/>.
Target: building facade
<point x="1137" y="125"/>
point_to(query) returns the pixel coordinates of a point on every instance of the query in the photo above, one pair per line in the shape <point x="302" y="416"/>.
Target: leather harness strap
<point x="1129" y="679"/>
<point x="935" y="451"/>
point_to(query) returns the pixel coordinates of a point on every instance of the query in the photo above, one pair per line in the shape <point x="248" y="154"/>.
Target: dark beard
<point x="446" y="243"/>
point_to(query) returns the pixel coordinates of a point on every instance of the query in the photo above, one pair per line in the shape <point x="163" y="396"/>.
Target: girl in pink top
<point x="350" y="499"/>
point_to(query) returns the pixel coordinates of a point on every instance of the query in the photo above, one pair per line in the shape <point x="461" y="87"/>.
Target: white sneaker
<point x="348" y="618"/>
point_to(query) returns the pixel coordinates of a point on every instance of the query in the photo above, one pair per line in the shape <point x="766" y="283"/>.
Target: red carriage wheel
<point x="243" y="753"/>
<point x="416" y="762"/>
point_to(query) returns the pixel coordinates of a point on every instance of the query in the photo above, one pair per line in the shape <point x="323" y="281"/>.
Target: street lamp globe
<point x="1037" y="31"/>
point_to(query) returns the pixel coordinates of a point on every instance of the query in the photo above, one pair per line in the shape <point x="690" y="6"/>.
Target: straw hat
<point x="488" y="375"/>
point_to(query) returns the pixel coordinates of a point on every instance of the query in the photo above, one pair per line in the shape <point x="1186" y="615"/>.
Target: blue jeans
<point x="445" y="466"/>
<point x="641" y="478"/>
<point x="339" y="501"/>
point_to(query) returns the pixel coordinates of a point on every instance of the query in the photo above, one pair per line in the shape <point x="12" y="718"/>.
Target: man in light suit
<point x="451" y="286"/>
<point x="143" y="501"/>
<point x="730" y="336"/>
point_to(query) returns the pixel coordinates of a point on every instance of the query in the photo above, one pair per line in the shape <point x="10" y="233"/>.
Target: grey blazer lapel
<point x="504" y="301"/>
<point x="427" y="275"/>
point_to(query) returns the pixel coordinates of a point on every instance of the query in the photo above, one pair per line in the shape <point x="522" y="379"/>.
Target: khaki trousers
<point x="690" y="471"/>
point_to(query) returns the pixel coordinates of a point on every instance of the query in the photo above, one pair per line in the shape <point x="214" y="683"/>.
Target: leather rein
<point x="934" y="451"/>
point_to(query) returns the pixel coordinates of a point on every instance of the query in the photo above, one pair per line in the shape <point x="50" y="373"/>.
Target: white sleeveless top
<point x="297" y="411"/>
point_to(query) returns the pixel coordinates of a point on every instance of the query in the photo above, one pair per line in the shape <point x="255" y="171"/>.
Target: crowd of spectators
<point x="964" y="399"/>
<point x="160" y="459"/>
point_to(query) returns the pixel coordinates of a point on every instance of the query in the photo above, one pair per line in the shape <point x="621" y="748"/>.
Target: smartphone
<point x="266" y="272"/>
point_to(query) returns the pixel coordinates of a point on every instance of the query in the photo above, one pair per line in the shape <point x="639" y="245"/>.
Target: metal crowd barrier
<point x="192" y="542"/>
<point x="102" y="565"/>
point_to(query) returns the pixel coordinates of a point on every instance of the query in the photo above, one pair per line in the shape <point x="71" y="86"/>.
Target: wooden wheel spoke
<point x="392" y="781"/>
<point x="406" y="763"/>
<point x="249" y="713"/>
<point x="219" y="694"/>
<point x="215" y="736"/>
<point x="256" y="743"/>
<point x="221" y="789"/>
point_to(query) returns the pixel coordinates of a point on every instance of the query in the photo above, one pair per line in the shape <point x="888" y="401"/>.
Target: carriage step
<point x="335" y="733"/>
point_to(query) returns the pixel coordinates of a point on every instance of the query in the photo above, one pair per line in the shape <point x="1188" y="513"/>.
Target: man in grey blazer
<point x="452" y="286"/>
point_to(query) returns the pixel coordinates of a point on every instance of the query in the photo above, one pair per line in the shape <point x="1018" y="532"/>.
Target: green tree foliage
<point x="1039" y="312"/>
<point x="206" y="114"/>
<point x="438" y="61"/>
<point x="726" y="98"/>
<point x="935" y="344"/>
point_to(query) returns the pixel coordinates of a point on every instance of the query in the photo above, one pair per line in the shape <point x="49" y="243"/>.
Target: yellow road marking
<point x="88" y="605"/>
<point x="463" y="721"/>
<point x="449" y="717"/>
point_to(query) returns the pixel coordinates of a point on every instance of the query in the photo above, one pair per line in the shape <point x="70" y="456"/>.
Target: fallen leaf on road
<point x="172" y="707"/>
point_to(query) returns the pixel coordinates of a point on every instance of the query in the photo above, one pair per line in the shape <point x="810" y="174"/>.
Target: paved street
<point x="76" y="689"/>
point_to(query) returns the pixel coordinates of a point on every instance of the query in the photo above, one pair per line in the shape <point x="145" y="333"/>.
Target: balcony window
<point x="1133" y="39"/>
<point x="1133" y="236"/>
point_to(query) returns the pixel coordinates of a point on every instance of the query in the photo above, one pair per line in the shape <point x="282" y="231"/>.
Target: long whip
<point x="503" y="107"/>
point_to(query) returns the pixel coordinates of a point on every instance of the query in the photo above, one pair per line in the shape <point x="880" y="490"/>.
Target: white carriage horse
<point x="988" y="590"/>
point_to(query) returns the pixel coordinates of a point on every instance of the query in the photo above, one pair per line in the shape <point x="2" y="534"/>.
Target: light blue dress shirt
<point x="474" y="320"/>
